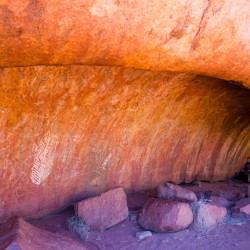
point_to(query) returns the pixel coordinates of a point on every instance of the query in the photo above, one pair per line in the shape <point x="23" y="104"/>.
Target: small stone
<point x="165" y="216"/>
<point x="170" y="192"/>
<point x="144" y="234"/>
<point x="133" y="217"/>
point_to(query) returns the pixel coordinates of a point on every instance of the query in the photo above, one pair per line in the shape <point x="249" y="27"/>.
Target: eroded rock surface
<point x="165" y="216"/>
<point x="204" y="37"/>
<point x="208" y="216"/>
<point x="242" y="208"/>
<point x="170" y="191"/>
<point x="67" y="133"/>
<point x="19" y="234"/>
<point x="104" y="211"/>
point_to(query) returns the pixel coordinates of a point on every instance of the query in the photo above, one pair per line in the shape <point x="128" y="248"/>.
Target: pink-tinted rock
<point x="170" y="192"/>
<point x="104" y="211"/>
<point x="20" y="235"/>
<point x="220" y="202"/>
<point x="242" y="208"/>
<point x="207" y="216"/>
<point x="165" y="216"/>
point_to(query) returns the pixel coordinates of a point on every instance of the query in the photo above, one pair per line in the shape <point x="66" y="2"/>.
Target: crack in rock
<point x="200" y="26"/>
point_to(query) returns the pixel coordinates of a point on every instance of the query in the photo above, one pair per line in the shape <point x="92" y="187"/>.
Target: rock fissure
<point x="201" y="26"/>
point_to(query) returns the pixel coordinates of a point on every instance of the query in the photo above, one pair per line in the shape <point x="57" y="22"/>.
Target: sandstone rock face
<point x="170" y="192"/>
<point x="70" y="132"/>
<point x="19" y="234"/>
<point x="207" y="216"/>
<point x="67" y="133"/>
<point x="165" y="216"/>
<point x="203" y="37"/>
<point x="104" y="211"/>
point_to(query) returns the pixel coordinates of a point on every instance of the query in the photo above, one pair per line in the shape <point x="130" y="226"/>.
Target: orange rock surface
<point x="204" y="37"/>
<point x="89" y="99"/>
<point x="70" y="132"/>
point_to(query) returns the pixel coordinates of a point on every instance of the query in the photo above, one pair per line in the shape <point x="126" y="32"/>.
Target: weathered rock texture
<point x="70" y="132"/>
<point x="170" y="191"/>
<point x="19" y="234"/>
<point x="242" y="208"/>
<point x="165" y="216"/>
<point x="205" y="36"/>
<point x="104" y="211"/>
<point x="207" y="216"/>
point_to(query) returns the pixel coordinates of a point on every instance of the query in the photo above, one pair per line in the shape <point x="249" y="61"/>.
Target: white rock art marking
<point x="43" y="158"/>
<point x="106" y="161"/>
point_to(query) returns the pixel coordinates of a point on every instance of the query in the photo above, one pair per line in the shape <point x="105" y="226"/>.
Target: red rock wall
<point x="204" y="36"/>
<point x="69" y="132"/>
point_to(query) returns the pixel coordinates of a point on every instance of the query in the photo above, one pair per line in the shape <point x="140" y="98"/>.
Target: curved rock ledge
<point x="208" y="37"/>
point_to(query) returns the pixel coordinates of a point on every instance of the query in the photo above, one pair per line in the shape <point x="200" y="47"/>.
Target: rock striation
<point x="68" y="133"/>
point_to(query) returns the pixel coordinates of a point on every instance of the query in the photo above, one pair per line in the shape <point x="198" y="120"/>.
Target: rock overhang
<point x="74" y="126"/>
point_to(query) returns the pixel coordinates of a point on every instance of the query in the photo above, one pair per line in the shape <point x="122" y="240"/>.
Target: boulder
<point x="242" y="208"/>
<point x="104" y="211"/>
<point x="207" y="216"/>
<point x="165" y="216"/>
<point x="220" y="202"/>
<point x="19" y="234"/>
<point x="170" y="192"/>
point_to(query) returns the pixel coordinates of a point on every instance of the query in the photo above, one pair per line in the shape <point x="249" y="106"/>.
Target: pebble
<point x="133" y="217"/>
<point x="144" y="234"/>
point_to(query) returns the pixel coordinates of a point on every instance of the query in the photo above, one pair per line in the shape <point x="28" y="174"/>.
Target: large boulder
<point x="19" y="234"/>
<point x="165" y="216"/>
<point x="104" y="211"/>
<point x="170" y="191"/>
